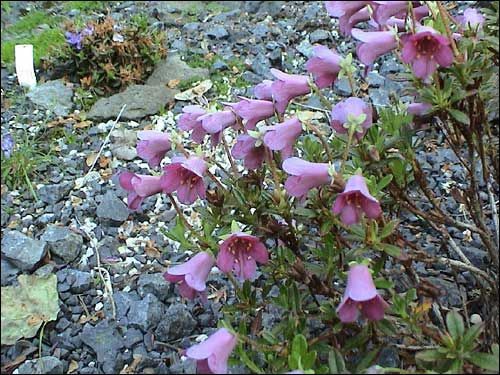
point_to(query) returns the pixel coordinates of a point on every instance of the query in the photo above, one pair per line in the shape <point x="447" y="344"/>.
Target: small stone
<point x="111" y="207"/>
<point x="217" y="32"/>
<point x="379" y="97"/>
<point x="476" y="319"/>
<point x="53" y="95"/>
<point x="261" y="65"/>
<point x="53" y="193"/>
<point x="132" y="336"/>
<point x="8" y="272"/>
<point x="63" y="243"/>
<point x="318" y="36"/>
<point x="43" y="365"/>
<point x="146" y="313"/>
<point x="374" y="79"/>
<point x="191" y="27"/>
<point x="175" y="324"/>
<point x="219" y="66"/>
<point x="251" y="77"/>
<point x="342" y="87"/>
<point x="153" y="283"/>
<point x="305" y="48"/>
<point x="105" y="341"/>
<point x="22" y="251"/>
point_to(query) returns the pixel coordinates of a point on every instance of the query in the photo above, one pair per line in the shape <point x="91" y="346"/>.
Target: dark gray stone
<point x="105" y="341"/>
<point x="391" y="66"/>
<point x="342" y="87"/>
<point x="271" y="8"/>
<point x="153" y="283"/>
<point x="53" y="193"/>
<point x="141" y="101"/>
<point x="8" y="272"/>
<point x="62" y="242"/>
<point x="112" y="207"/>
<point x="251" y="77"/>
<point x="260" y="30"/>
<point x="305" y="48"/>
<point x="219" y="66"/>
<point x="450" y="295"/>
<point x="146" y="313"/>
<point x="318" y="36"/>
<point x="22" y="251"/>
<point x="43" y="365"/>
<point x="261" y="65"/>
<point x="53" y="95"/>
<point x="175" y="324"/>
<point x="173" y="68"/>
<point x="374" y="79"/>
<point x="80" y="281"/>
<point x="191" y="27"/>
<point x="132" y="336"/>
<point x="217" y="32"/>
<point x="379" y="97"/>
<point x="388" y="357"/>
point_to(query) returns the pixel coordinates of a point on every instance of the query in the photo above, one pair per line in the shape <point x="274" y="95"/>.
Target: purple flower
<point x="304" y="176"/>
<point x="7" y="145"/>
<point x="152" y="146"/>
<point x="245" y="148"/>
<point x="375" y="44"/>
<point x="351" y="107"/>
<point x="88" y="30"/>
<point x="419" y="109"/>
<point x="361" y="294"/>
<point x="185" y="176"/>
<point x="287" y="87"/>
<point x="281" y="137"/>
<point x="253" y="111"/>
<point x="215" y="122"/>
<point x="387" y="9"/>
<point x="74" y="39"/>
<point x="263" y="90"/>
<point x="472" y="18"/>
<point x="346" y="24"/>
<point x="354" y="200"/>
<point x="189" y="121"/>
<point x="212" y="354"/>
<point x="324" y="66"/>
<point x="425" y="50"/>
<point x="239" y="253"/>
<point x="139" y="187"/>
<point x="191" y="275"/>
<point x="344" y="10"/>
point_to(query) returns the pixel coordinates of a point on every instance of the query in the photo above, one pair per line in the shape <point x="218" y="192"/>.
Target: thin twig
<point x="494" y="211"/>
<point x="228" y="153"/>
<point x="106" y="140"/>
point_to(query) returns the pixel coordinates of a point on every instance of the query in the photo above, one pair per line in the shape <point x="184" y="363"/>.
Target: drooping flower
<point x="324" y="66"/>
<point x="399" y="21"/>
<point x="191" y="275"/>
<point x="212" y="354"/>
<point x="139" y="187"/>
<point x="185" y="175"/>
<point x="375" y="44"/>
<point x="419" y="109"/>
<point x="152" y="146"/>
<point x="7" y="145"/>
<point x="387" y="9"/>
<point x="245" y="149"/>
<point x="355" y="200"/>
<point x="281" y="137"/>
<point x="344" y="10"/>
<point x="239" y="253"/>
<point x="74" y="39"/>
<point x="286" y="87"/>
<point x="361" y="295"/>
<point x="425" y="50"/>
<point x="263" y="90"/>
<point x="351" y="107"/>
<point x="189" y="120"/>
<point x="216" y="122"/>
<point x="346" y="24"/>
<point x="304" y="176"/>
<point x="253" y="111"/>
<point x="472" y="18"/>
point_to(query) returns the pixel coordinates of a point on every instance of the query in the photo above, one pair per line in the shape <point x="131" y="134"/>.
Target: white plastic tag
<point x="24" y="65"/>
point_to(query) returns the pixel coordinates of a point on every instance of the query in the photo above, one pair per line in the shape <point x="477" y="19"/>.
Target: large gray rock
<point x="22" y="251"/>
<point x="175" y="324"/>
<point x="53" y="95"/>
<point x="146" y="313"/>
<point x="63" y="243"/>
<point x="44" y="365"/>
<point x="141" y="101"/>
<point x="174" y="68"/>
<point x="112" y="207"/>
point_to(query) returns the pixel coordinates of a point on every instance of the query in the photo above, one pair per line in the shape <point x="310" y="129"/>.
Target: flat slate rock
<point x="112" y="207"/>
<point x="63" y="242"/>
<point x="53" y="95"/>
<point x="22" y="251"/>
<point x="173" y="68"/>
<point x="141" y="101"/>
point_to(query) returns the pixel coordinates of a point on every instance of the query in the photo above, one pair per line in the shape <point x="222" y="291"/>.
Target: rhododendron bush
<point x="303" y="208"/>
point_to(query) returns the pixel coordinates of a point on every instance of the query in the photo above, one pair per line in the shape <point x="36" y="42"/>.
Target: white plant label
<point x="24" y="65"/>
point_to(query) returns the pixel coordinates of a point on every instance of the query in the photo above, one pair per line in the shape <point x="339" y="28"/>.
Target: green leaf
<point x="308" y="360"/>
<point x="455" y="324"/>
<point x="485" y="360"/>
<point x="382" y="283"/>
<point x="366" y="360"/>
<point x="234" y="227"/>
<point x="26" y="306"/>
<point x="384" y="182"/>
<point x="299" y="345"/>
<point x="392" y="250"/>
<point x="336" y="362"/>
<point x="388" y="229"/>
<point x="429" y="355"/>
<point x="459" y="116"/>
<point x="471" y="336"/>
<point x="248" y="362"/>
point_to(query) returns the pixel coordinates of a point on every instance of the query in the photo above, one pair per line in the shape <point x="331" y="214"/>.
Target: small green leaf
<point x="471" y="336"/>
<point x="382" y="283"/>
<point x="366" y="360"/>
<point x="384" y="182"/>
<point x="234" y="227"/>
<point x="248" y="362"/>
<point x="308" y="360"/>
<point x="486" y="361"/>
<point x="299" y="345"/>
<point x="429" y="355"/>
<point x="392" y="250"/>
<point x="455" y="324"/>
<point x="459" y="116"/>
<point x="388" y="229"/>
<point x="336" y="362"/>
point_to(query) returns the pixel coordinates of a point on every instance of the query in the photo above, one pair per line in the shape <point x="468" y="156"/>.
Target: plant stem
<point x="229" y="156"/>
<point x="446" y="18"/>
<point x="180" y="213"/>
<point x="352" y="129"/>
<point x="321" y="139"/>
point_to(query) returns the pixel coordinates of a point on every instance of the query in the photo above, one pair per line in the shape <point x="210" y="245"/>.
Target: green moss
<point x="84" y="6"/>
<point x="43" y="44"/>
<point x="215" y="7"/>
<point x="31" y="21"/>
<point x="188" y="83"/>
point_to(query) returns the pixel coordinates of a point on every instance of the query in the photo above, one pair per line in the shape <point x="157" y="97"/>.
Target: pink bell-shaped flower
<point x="253" y="111"/>
<point x="185" y="175"/>
<point x="351" y="107"/>
<point x="191" y="275"/>
<point x="324" y="66"/>
<point x="139" y="187"/>
<point x="286" y="87"/>
<point x="361" y="295"/>
<point x="152" y="146"/>
<point x="304" y="176"/>
<point x="374" y="44"/>
<point x="354" y="200"/>
<point x="245" y="149"/>
<point x="239" y="253"/>
<point x="262" y="91"/>
<point x="281" y="137"/>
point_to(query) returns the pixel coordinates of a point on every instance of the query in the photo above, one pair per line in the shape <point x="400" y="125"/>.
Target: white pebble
<point x="475" y="319"/>
<point x="99" y="306"/>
